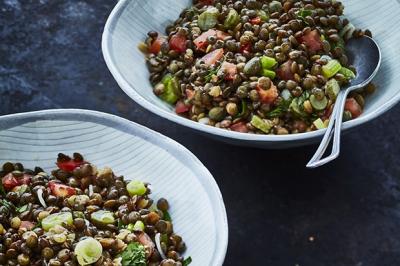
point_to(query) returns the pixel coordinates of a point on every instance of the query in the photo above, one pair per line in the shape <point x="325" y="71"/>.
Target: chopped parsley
<point x="133" y="255"/>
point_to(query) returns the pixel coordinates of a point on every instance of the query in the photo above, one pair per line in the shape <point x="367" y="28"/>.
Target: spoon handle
<point x="334" y="130"/>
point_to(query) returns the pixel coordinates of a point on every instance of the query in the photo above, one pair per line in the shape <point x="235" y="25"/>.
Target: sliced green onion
<point x="103" y="217"/>
<point x="268" y="73"/>
<point x="268" y="62"/>
<point x="349" y="75"/>
<point x="261" y="124"/>
<point x="318" y="105"/>
<point x="138" y="226"/>
<point x="171" y="89"/>
<point x="136" y="187"/>
<point x="319" y="124"/>
<point x="208" y="19"/>
<point x="232" y="19"/>
<point x="55" y="219"/>
<point x="330" y="69"/>
<point x="332" y="89"/>
<point x="243" y="111"/>
<point x="263" y="15"/>
<point x="88" y="251"/>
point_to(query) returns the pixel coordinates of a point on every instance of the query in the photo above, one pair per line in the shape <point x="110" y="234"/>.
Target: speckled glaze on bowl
<point x="130" y="21"/>
<point x="197" y="207"/>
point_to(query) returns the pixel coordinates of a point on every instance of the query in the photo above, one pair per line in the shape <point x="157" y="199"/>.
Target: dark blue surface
<point x="50" y="57"/>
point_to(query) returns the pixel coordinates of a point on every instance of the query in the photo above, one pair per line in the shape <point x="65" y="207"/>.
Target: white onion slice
<point x="204" y="120"/>
<point x="157" y="239"/>
<point x="40" y="197"/>
<point x="90" y="190"/>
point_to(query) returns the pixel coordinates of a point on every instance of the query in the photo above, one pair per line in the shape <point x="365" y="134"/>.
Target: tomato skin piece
<point x="201" y="41"/>
<point x="27" y="225"/>
<point x="230" y="70"/>
<point x="268" y="96"/>
<point x="312" y="40"/>
<point x="69" y="166"/>
<point x="61" y="190"/>
<point x="240" y="127"/>
<point x="212" y="57"/>
<point x="155" y="47"/>
<point x="181" y="107"/>
<point x="246" y="48"/>
<point x="284" y="72"/>
<point x="25" y="180"/>
<point x="353" y="107"/>
<point x="9" y="181"/>
<point x="178" y="43"/>
<point x="256" y="21"/>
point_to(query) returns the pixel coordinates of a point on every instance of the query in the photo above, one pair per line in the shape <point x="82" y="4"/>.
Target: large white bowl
<point x="130" y="21"/>
<point x="197" y="208"/>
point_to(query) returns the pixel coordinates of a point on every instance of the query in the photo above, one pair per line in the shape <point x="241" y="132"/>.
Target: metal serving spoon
<point x="365" y="54"/>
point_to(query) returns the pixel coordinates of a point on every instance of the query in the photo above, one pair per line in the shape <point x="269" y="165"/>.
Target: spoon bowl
<point x="365" y="55"/>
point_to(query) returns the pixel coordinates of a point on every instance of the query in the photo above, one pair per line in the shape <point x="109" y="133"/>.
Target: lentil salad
<point x="81" y="215"/>
<point x="263" y="67"/>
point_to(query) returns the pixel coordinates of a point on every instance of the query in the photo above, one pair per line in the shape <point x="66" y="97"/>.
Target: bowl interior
<point x="131" y="20"/>
<point x="137" y="153"/>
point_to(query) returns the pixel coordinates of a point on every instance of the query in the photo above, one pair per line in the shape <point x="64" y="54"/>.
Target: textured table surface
<point x="280" y="214"/>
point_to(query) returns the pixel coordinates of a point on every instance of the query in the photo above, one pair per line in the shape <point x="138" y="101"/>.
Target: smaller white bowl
<point x="130" y="21"/>
<point x="197" y="207"/>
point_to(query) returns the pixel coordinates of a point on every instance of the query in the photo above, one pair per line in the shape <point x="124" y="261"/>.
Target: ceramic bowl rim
<point x="172" y="147"/>
<point x="131" y="92"/>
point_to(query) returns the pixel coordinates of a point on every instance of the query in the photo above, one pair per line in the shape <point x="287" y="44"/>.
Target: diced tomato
<point x="353" y="107"/>
<point x="222" y="35"/>
<point x="155" y="47"/>
<point x="268" y="96"/>
<point x="25" y="179"/>
<point x="312" y="40"/>
<point x="60" y="190"/>
<point x="181" y="107"/>
<point x="255" y="21"/>
<point x="27" y="225"/>
<point x="178" y="43"/>
<point x="9" y="182"/>
<point x="146" y="241"/>
<point x="69" y="166"/>
<point x="246" y="48"/>
<point x="230" y="70"/>
<point x="201" y="41"/>
<point x="239" y="127"/>
<point x="189" y="94"/>
<point x="284" y="72"/>
<point x="213" y="57"/>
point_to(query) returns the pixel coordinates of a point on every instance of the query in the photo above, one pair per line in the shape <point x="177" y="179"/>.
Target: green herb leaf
<point x="303" y="13"/>
<point x="9" y="206"/>
<point x="167" y="216"/>
<point x="22" y="208"/>
<point x="187" y="261"/>
<point x="281" y="109"/>
<point x="133" y="255"/>
<point x="120" y="224"/>
<point x="211" y="73"/>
